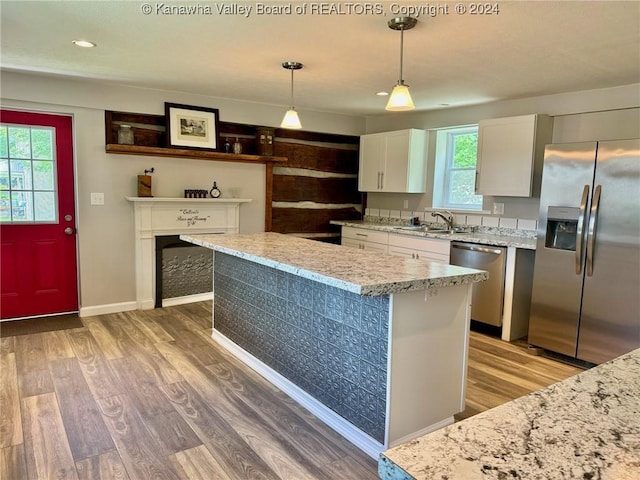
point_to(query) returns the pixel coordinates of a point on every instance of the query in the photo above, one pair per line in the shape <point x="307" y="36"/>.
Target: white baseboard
<point x="431" y="428"/>
<point x="356" y="436"/>
<point x="108" y="308"/>
<point x="128" y="306"/>
<point x="200" y="297"/>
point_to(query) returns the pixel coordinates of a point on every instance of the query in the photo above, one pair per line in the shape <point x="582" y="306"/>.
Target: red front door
<point x="37" y="215"/>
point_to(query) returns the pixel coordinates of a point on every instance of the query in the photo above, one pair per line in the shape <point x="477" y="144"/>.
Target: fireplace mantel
<point x="155" y="216"/>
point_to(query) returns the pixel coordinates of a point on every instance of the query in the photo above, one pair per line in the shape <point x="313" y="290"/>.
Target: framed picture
<point x="191" y="127"/>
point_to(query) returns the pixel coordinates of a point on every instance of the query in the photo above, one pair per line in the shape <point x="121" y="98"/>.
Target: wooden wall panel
<point x="317" y="184"/>
<point x="291" y="188"/>
<point x="325" y="159"/>
<point x="303" y="220"/>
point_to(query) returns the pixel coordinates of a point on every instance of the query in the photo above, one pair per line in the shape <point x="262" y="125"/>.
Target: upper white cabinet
<point x="393" y="162"/>
<point x="510" y="155"/>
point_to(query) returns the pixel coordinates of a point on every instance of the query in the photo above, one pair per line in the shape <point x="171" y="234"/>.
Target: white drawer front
<point x="418" y="254"/>
<point x="365" y="235"/>
<point x="433" y="245"/>
<point x="362" y="245"/>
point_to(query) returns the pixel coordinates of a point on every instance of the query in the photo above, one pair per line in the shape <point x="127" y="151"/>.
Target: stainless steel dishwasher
<point x="488" y="296"/>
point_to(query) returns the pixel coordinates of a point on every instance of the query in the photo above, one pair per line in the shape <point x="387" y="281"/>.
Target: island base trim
<point x="198" y="297"/>
<point x="350" y="432"/>
<point x="431" y="428"/>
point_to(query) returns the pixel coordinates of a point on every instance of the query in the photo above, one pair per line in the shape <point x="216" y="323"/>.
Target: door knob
<point x="68" y="231"/>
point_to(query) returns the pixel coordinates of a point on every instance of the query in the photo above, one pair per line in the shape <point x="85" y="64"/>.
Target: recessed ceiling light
<point x="382" y="94"/>
<point x="83" y="43"/>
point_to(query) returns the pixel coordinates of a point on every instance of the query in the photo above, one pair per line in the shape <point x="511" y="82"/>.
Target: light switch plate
<point x="97" y="198"/>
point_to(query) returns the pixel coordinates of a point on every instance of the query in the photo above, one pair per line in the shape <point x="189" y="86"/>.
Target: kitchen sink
<point x="424" y="228"/>
<point x="414" y="228"/>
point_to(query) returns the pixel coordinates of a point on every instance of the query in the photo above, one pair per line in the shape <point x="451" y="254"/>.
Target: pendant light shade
<point x="291" y="119"/>
<point x="400" y="99"/>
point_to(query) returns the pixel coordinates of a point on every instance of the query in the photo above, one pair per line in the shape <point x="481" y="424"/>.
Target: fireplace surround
<point x="155" y="216"/>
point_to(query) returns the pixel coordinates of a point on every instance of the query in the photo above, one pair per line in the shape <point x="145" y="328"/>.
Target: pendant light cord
<point x="291" y="89"/>
<point x="400" y="80"/>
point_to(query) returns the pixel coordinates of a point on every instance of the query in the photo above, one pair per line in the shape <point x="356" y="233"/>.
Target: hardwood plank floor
<point x="148" y="394"/>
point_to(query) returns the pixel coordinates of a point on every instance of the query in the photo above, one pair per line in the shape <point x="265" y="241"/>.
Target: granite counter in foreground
<point x="585" y="427"/>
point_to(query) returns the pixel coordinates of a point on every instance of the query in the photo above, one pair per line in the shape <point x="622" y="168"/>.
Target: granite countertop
<point x="585" y="427"/>
<point x="481" y="237"/>
<point x="358" y="271"/>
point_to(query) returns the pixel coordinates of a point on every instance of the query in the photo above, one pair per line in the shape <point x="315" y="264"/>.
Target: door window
<point x="27" y="174"/>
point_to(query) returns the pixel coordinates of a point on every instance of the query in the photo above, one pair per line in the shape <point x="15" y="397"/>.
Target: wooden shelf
<point x="193" y="154"/>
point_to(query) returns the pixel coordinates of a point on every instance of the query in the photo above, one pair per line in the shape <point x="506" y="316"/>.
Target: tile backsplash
<point x="489" y="223"/>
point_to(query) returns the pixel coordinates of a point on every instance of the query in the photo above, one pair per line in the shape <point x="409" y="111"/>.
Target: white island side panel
<point x="428" y="351"/>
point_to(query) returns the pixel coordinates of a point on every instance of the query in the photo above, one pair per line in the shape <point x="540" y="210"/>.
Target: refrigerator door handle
<point x="580" y="229"/>
<point x="593" y="225"/>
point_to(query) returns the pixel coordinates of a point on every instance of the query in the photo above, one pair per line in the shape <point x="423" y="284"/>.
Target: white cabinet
<point x="393" y="162"/>
<point x="510" y="155"/>
<point x="365" y="239"/>
<point x="433" y="249"/>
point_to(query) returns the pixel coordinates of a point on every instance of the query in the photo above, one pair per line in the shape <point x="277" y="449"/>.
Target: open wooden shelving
<point x="187" y="153"/>
<point x="314" y="151"/>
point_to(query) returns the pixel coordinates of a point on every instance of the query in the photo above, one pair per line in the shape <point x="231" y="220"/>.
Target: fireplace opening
<point x="182" y="269"/>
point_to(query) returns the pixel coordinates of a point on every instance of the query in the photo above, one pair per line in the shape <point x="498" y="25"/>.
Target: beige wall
<point x="605" y="114"/>
<point x="105" y="233"/>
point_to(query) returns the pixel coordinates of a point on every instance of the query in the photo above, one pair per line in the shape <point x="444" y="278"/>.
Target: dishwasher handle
<point x="475" y="248"/>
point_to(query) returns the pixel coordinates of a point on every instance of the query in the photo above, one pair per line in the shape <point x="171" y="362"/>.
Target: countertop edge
<point x="453" y="276"/>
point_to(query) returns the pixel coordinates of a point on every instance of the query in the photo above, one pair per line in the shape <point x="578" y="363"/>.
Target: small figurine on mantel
<point x="215" y="191"/>
<point x="144" y="183"/>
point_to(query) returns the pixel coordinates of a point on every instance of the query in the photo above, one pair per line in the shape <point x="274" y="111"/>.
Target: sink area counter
<point x="498" y="240"/>
<point x="373" y="345"/>
<point x="356" y="271"/>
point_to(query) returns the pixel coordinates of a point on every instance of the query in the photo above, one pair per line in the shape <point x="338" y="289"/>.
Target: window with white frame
<point x="455" y="172"/>
<point x="28" y="182"/>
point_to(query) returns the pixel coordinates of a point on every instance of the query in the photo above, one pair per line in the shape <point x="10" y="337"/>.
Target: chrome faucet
<point x="448" y="218"/>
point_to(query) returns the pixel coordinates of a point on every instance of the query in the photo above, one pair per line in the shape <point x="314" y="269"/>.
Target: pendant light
<point x="291" y="119"/>
<point x="400" y="99"/>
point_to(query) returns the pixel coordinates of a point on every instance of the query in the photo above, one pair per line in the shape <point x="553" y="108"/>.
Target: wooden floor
<point x="148" y="394"/>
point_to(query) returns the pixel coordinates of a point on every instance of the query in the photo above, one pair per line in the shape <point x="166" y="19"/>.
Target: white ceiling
<point x="527" y="49"/>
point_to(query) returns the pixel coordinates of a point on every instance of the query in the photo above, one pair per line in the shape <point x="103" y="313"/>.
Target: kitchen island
<point x="587" y="427"/>
<point x="374" y="345"/>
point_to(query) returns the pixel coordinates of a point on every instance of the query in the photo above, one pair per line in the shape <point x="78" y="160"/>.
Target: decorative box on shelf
<point x="196" y="193"/>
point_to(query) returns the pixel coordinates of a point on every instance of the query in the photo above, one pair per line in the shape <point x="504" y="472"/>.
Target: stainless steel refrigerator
<point x="586" y="286"/>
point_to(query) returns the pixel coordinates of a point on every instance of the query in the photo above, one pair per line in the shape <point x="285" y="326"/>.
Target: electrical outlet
<point x="97" y="198"/>
<point x="498" y="208"/>
<point x="405" y="204"/>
